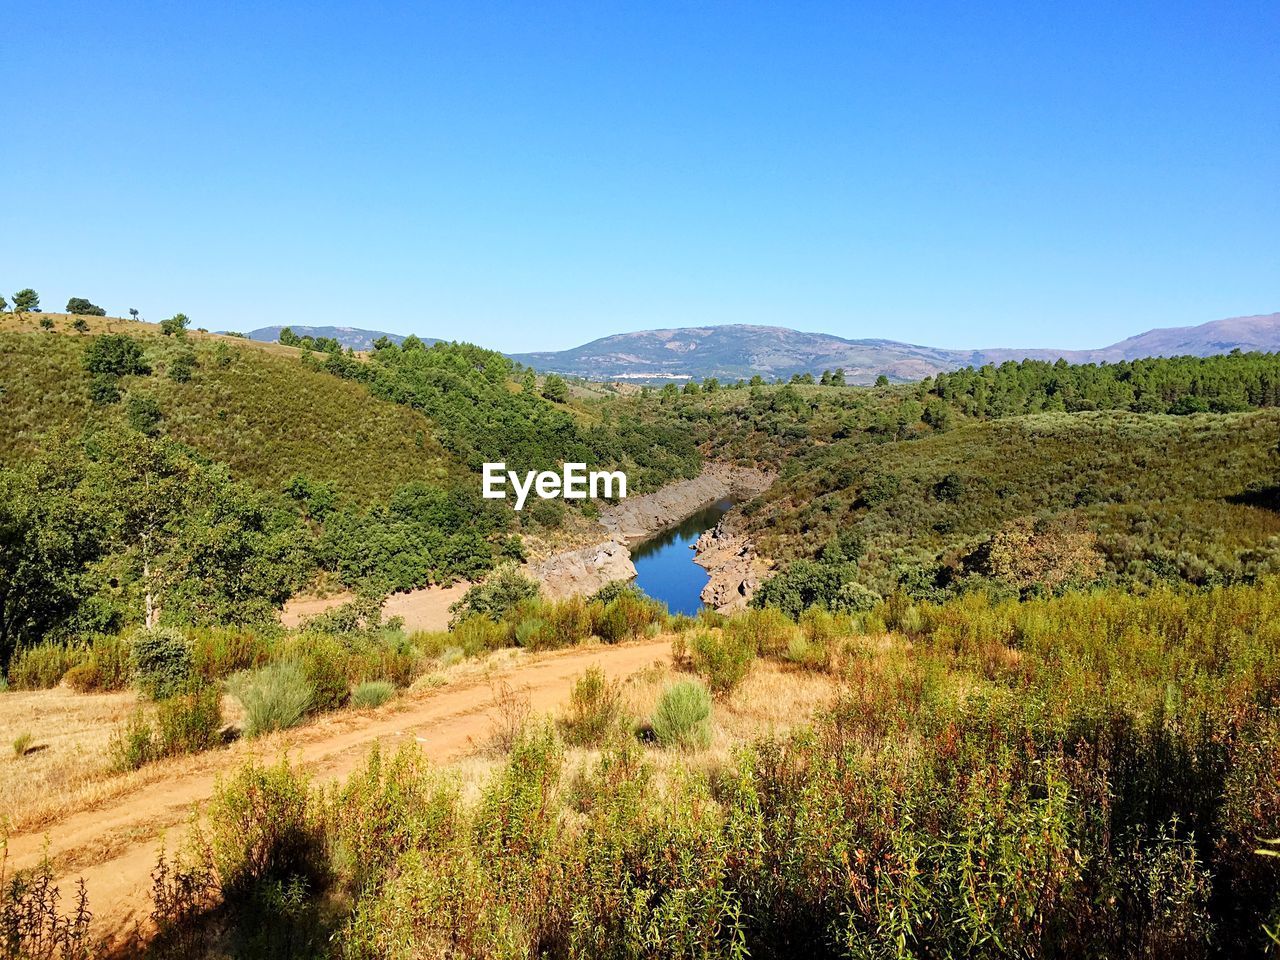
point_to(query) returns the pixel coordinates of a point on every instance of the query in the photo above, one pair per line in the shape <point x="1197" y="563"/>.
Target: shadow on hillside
<point x="1266" y="497"/>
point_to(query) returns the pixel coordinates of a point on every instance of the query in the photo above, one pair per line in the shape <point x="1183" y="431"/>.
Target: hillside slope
<point x="1169" y="497"/>
<point x="254" y="407"/>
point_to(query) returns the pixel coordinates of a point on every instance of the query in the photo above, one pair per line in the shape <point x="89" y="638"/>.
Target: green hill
<point x="253" y="407"/>
<point x="1186" y="498"/>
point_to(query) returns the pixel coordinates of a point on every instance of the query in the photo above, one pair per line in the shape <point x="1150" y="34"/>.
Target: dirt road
<point x="113" y="845"/>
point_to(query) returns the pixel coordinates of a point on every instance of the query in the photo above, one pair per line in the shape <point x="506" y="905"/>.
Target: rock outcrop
<point x="730" y="559"/>
<point x="585" y="570"/>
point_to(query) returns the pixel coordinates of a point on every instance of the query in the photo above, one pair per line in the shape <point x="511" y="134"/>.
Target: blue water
<point x="664" y="564"/>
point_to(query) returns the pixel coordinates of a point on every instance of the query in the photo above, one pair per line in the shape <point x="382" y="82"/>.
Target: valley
<point x="249" y="588"/>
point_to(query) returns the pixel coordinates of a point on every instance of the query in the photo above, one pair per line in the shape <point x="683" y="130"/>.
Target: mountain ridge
<point x="742" y="350"/>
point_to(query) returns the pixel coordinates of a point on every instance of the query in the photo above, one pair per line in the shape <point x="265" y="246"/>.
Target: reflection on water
<point x="664" y="564"/>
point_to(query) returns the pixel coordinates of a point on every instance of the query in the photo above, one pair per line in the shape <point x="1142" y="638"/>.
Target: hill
<point x="353" y="337"/>
<point x="1168" y="498"/>
<point x="741" y="351"/>
<point x="251" y="406"/>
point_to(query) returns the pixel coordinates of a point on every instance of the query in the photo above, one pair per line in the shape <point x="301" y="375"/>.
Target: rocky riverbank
<point x="729" y="557"/>
<point x="586" y="569"/>
<point x="638" y="518"/>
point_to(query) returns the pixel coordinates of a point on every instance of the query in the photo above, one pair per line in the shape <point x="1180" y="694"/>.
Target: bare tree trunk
<point x="151" y="612"/>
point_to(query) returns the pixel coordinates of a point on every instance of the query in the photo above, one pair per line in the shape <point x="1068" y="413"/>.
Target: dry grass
<point x="68" y="757"/>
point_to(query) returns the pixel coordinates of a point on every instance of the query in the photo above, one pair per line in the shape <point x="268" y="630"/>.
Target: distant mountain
<point x="740" y="350"/>
<point x="352" y="337"/>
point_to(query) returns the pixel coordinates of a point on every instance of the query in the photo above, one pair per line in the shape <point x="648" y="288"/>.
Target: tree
<point x="80" y="325"/>
<point x="288" y="337"/>
<point x="837" y="377"/>
<point x="529" y="382"/>
<point x="26" y="301"/>
<point x="133" y="312"/>
<point x="82" y="307"/>
<point x="175" y="325"/>
<point x="555" y="389"/>
<point x="49" y="539"/>
<point x="882" y="381"/>
<point x="4" y="304"/>
<point x="146" y="488"/>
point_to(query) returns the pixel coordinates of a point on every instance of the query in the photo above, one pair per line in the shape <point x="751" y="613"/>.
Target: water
<point x="664" y="564"/>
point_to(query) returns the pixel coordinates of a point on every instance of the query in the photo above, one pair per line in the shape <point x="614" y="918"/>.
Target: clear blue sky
<point x="531" y="176"/>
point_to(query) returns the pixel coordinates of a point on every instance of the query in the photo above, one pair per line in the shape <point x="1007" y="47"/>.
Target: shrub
<point x="627" y="616"/>
<point x="218" y="652"/>
<point x="324" y="662"/>
<point x="723" y="658"/>
<point x="189" y="722"/>
<point x="264" y="826"/>
<point x="595" y="707"/>
<point x="505" y="587"/>
<point x="682" y="717"/>
<point x="84" y="677"/>
<point x="372" y="693"/>
<point x="766" y="631"/>
<point x="161" y="661"/>
<point x="568" y="621"/>
<point x="115" y="355"/>
<point x="134" y="744"/>
<point x="274" y="697"/>
<point x="44" y="666"/>
<point x="106" y="668"/>
<point x="478" y="634"/>
<point x="806" y="653"/>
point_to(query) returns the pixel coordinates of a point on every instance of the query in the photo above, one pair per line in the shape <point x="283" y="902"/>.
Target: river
<point x="664" y="563"/>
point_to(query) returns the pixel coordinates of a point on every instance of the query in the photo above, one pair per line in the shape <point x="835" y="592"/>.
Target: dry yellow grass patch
<point x="69" y="753"/>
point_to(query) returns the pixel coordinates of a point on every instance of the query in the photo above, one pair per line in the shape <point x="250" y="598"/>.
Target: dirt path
<point x="113" y="846"/>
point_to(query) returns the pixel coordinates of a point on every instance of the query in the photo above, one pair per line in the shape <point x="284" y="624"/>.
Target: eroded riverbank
<point x="586" y="569"/>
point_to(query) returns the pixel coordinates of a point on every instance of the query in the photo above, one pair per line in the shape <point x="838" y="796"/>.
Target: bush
<point x="218" y="652"/>
<point x="161" y="661"/>
<point x="324" y="661"/>
<point x="765" y="631"/>
<point x="478" y="634"/>
<point x="505" y="587"/>
<point x="595" y="707"/>
<point x="682" y="717"/>
<point x="189" y="722"/>
<point x="115" y="355"/>
<point x="372" y="693"/>
<point x="43" y="667"/>
<point x="107" y="667"/>
<point x="133" y="745"/>
<point x="264" y="826"/>
<point x="627" y="616"/>
<point x="723" y="658"/>
<point x="275" y="697"/>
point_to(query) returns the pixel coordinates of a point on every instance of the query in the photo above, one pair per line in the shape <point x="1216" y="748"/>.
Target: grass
<point x="1084" y="775"/>
<point x="22" y="743"/>
<point x="682" y="716"/>
<point x="275" y="697"/>
<point x="372" y="694"/>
